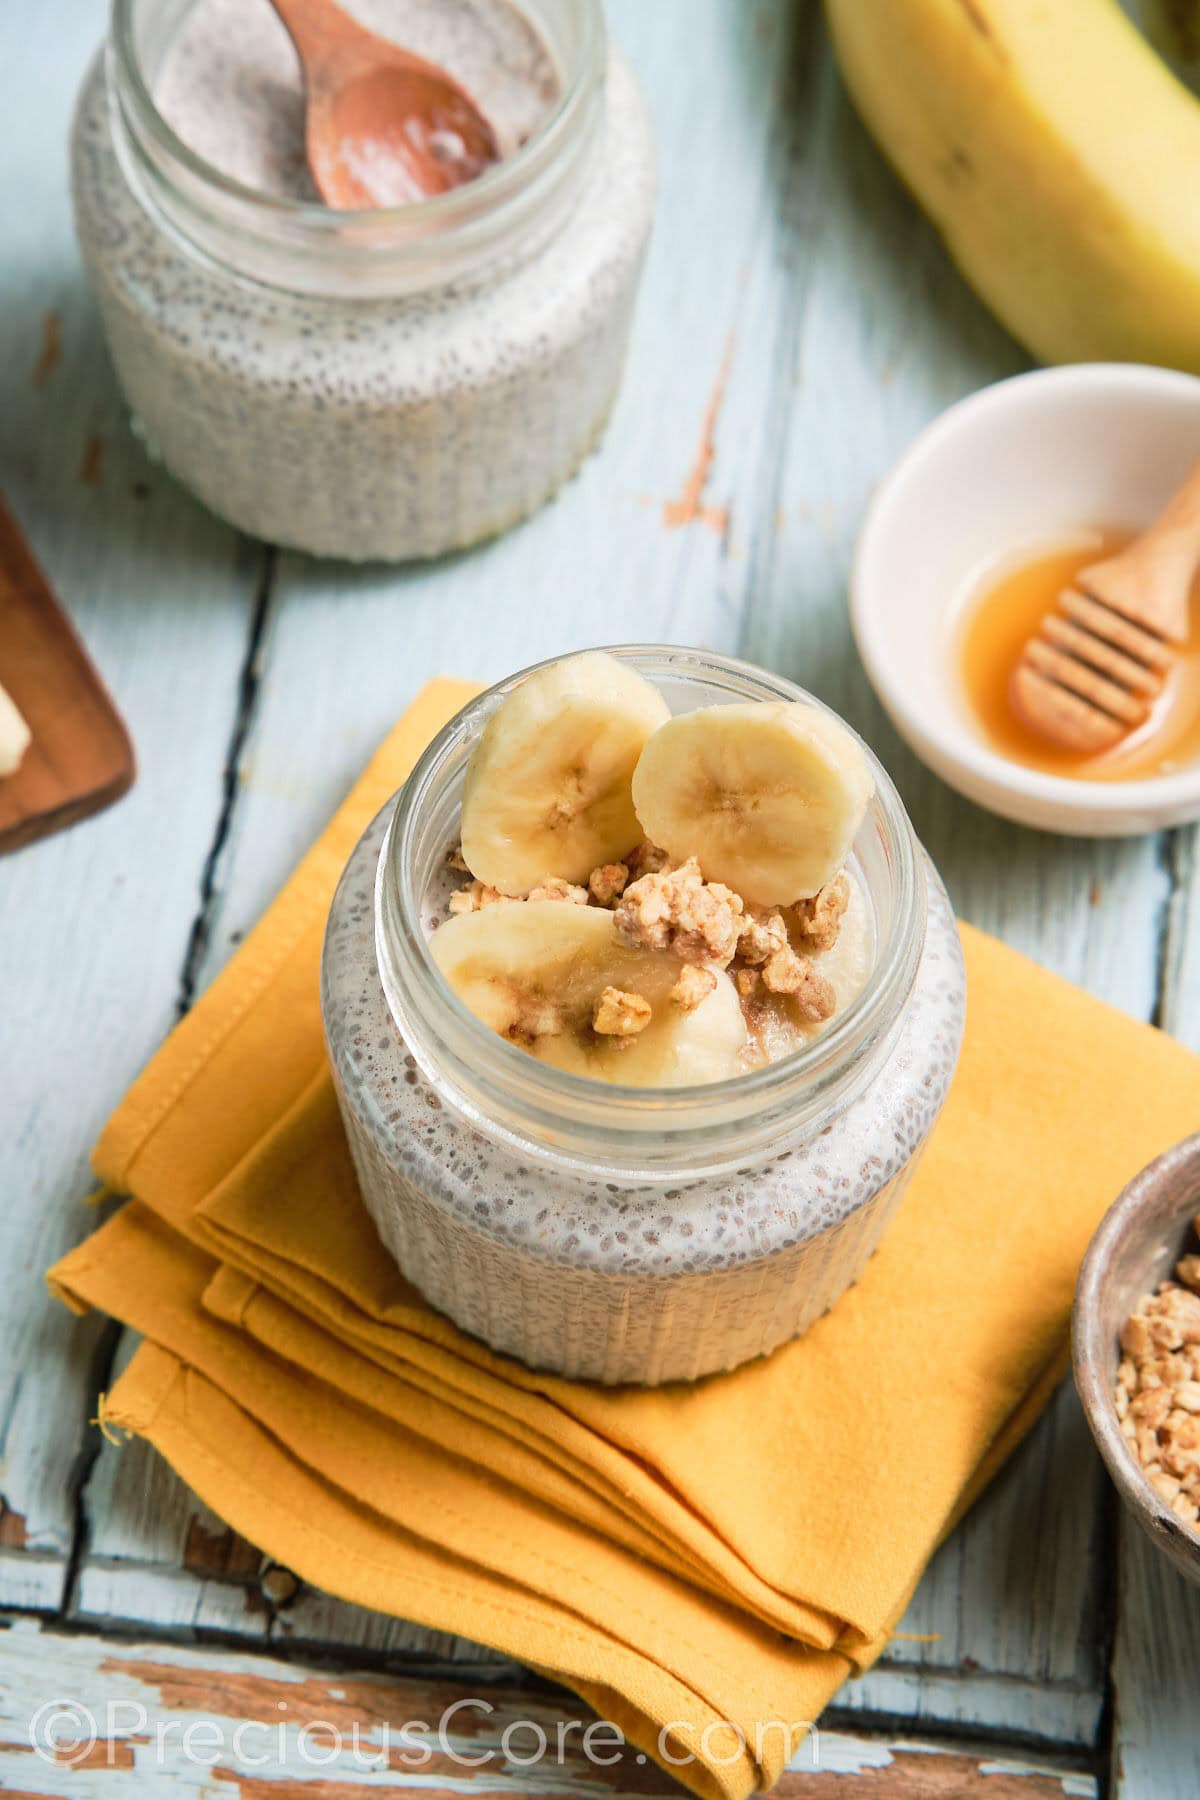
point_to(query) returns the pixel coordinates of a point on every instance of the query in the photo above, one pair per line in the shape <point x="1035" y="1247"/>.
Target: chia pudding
<point x="623" y="1233"/>
<point x="383" y="383"/>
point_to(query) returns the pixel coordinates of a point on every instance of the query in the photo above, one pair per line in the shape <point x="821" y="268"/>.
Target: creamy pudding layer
<point x="230" y="82"/>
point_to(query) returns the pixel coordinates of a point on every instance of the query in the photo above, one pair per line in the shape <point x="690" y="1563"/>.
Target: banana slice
<point x="549" y="788"/>
<point x="768" y="795"/>
<point x="537" y="975"/>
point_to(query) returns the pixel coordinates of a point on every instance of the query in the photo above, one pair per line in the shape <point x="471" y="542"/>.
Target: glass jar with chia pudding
<point x="645" y="1128"/>
<point x="386" y="383"/>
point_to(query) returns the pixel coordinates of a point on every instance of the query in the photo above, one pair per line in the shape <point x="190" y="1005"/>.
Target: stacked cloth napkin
<point x="703" y="1564"/>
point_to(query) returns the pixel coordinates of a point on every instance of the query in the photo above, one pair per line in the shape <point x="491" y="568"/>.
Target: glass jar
<point x="620" y="1234"/>
<point x="391" y="383"/>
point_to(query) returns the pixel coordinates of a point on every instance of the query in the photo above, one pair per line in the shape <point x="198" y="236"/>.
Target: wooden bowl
<point x="1138" y="1244"/>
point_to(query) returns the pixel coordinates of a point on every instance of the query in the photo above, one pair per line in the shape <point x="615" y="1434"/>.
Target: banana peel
<point x="1058" y="156"/>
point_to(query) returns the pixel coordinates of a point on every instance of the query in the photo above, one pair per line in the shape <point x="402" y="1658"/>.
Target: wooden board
<point x="79" y="759"/>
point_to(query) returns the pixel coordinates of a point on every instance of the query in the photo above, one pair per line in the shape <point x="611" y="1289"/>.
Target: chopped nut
<point x="1165" y="1371"/>
<point x="607" y="883"/>
<point x="555" y="888"/>
<point x="787" y="973"/>
<point x="763" y="934"/>
<point x="1178" y="1321"/>
<point x="618" y="1014"/>
<point x="677" y="910"/>
<point x="1157" y="1395"/>
<point x="1180" y="1441"/>
<point x="457" y="861"/>
<point x="476" y="897"/>
<point x="1188" y="1271"/>
<point x="819" y="920"/>
<point x="1151" y="1406"/>
<point x="695" y="984"/>
<point x="1135" y="1337"/>
<point x="746" y="981"/>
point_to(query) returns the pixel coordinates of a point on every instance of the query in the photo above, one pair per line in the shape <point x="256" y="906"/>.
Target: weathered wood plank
<point x="315" y="1621"/>
<point x="1156" y="1720"/>
<point x="1181" y="941"/>
<point x="1013" y="1713"/>
<point x="107" y="1718"/>
<point x="94" y="923"/>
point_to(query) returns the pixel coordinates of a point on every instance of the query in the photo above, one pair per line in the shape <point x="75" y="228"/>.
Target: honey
<point x="1006" y="609"/>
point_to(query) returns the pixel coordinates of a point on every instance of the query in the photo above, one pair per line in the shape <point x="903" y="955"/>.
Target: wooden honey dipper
<point x="1097" y="662"/>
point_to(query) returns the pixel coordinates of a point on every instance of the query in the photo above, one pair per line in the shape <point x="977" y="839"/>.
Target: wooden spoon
<point x="1089" y="675"/>
<point x="384" y="127"/>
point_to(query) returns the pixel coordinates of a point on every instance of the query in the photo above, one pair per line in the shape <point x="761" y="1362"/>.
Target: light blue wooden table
<point x="798" y="305"/>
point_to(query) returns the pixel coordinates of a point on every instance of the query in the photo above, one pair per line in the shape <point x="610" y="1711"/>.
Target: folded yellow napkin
<point x="704" y="1564"/>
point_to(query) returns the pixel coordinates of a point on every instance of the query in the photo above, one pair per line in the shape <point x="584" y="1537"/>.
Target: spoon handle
<point x="1151" y="581"/>
<point x="318" y="28"/>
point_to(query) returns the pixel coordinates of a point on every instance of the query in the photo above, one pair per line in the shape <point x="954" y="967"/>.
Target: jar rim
<point x="795" y="1086"/>
<point x="416" y="233"/>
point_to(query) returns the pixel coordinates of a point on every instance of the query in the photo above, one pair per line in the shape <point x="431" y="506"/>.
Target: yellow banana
<point x="1056" y="153"/>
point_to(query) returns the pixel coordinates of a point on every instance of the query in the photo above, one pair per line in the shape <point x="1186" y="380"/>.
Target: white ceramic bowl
<point x="1015" y="466"/>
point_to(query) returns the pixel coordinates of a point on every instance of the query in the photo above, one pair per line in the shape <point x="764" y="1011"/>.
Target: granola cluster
<point x="620" y="1014"/>
<point x="659" y="905"/>
<point x="705" y="923"/>
<point x="1158" y="1388"/>
<point x="695" y="983"/>
<point x="476" y="896"/>
<point x="819" y="920"/>
<point x="607" y="883"/>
